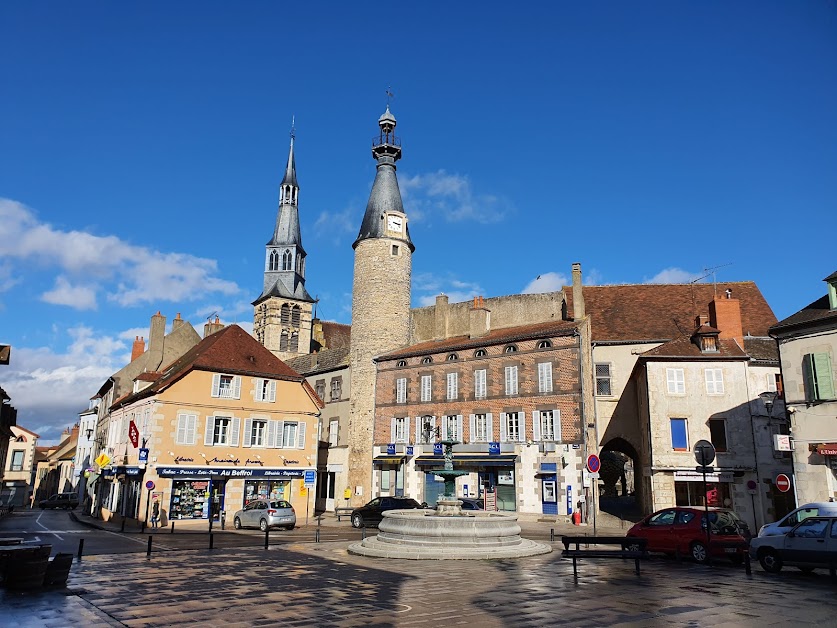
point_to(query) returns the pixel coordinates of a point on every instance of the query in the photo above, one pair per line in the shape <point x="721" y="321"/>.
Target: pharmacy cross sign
<point x="133" y="433"/>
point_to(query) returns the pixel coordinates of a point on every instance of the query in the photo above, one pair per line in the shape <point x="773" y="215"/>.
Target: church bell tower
<point x="282" y="314"/>
<point x="380" y="298"/>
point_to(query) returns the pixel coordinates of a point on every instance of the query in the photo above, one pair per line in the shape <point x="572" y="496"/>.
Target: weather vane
<point x="390" y="95"/>
<point x="293" y="126"/>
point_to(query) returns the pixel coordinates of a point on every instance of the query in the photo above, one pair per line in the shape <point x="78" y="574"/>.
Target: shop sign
<point x="437" y="449"/>
<point x="782" y="442"/>
<point x="694" y="476"/>
<point x="494" y="448"/>
<point x="391" y="449"/>
<point x="133" y="433"/>
<point x="143" y="454"/>
<point x="174" y="472"/>
<point x="829" y="449"/>
<point x="409" y="450"/>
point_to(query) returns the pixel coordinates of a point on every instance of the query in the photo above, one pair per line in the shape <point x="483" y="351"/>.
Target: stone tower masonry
<point x="380" y="299"/>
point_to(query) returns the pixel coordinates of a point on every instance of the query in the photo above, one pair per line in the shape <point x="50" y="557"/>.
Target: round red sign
<point x="783" y="482"/>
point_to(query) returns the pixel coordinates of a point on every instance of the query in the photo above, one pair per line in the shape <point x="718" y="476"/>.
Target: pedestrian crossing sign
<point x="102" y="460"/>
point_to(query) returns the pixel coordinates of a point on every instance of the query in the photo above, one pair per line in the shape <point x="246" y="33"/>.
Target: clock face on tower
<point x="395" y="223"/>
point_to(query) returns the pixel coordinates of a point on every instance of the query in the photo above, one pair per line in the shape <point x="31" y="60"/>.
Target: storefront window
<point x="691" y="494"/>
<point x="266" y="489"/>
<point x="188" y="499"/>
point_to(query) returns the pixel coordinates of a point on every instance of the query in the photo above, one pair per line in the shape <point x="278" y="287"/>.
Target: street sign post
<point x="704" y="455"/>
<point x="594" y="464"/>
<point x="783" y="483"/>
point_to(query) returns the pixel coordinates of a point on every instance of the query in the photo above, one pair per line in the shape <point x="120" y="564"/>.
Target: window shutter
<point x="236" y="391"/>
<point x="824" y="376"/>
<point x="460" y="435"/>
<point x="216" y="385"/>
<point x="418" y="429"/>
<point x="392" y="430"/>
<point x="248" y="432"/>
<point x="719" y="381"/>
<point x="489" y="430"/>
<point x="270" y="438"/>
<point x="502" y="427"/>
<point x="236" y="429"/>
<point x="472" y="427"/>
<point x="210" y="426"/>
<point x="547" y="368"/>
<point x="272" y="390"/>
<point x="508" y="380"/>
<point x="191" y="424"/>
<point x="536" y="425"/>
<point x="301" y="435"/>
<point x="406" y="429"/>
<point x="810" y="377"/>
<point x="522" y="433"/>
<point x="280" y="434"/>
<point x="433" y="426"/>
<point x="444" y="427"/>
<point x="180" y="439"/>
<point x="556" y="414"/>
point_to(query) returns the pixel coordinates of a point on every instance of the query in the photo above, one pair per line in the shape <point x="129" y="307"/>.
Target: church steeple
<point x="282" y="318"/>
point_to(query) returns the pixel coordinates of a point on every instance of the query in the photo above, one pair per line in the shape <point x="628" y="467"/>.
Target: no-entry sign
<point x="783" y="482"/>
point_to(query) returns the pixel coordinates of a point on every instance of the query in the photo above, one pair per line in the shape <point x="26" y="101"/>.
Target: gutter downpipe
<point x="788" y="420"/>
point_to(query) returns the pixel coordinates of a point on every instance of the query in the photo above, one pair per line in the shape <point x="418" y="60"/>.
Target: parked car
<point x="786" y="523"/>
<point x="469" y="503"/>
<point x="810" y="544"/>
<point x="683" y="530"/>
<point x="68" y="501"/>
<point x="264" y="514"/>
<point x="373" y="512"/>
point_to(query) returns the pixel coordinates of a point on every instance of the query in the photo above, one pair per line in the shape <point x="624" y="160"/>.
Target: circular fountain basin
<point x="424" y="535"/>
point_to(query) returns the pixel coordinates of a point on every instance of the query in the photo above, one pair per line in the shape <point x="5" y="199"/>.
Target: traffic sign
<point x="704" y="452"/>
<point x="752" y="487"/>
<point x="310" y="478"/>
<point x="133" y="433"/>
<point x="783" y="483"/>
<point x="593" y="463"/>
<point x="149" y="485"/>
<point x="102" y="460"/>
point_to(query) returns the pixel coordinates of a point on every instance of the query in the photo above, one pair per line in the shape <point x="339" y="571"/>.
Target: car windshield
<point x="724" y="520"/>
<point x="280" y="504"/>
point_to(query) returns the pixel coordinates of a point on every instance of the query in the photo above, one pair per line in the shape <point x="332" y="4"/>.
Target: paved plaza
<point x="307" y="584"/>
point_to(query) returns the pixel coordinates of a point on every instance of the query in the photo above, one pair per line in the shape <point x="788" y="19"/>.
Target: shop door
<point x="506" y="497"/>
<point x="325" y="491"/>
<point x="217" y="489"/>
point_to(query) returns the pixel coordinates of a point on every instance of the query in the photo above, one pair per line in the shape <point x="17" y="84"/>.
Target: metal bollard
<point x="552" y="535"/>
<point x="362" y="533"/>
<point x="317" y="535"/>
<point x="142" y="528"/>
<point x="211" y="540"/>
<point x="266" y="537"/>
<point x="80" y="548"/>
<point x="148" y="551"/>
<point x="122" y="527"/>
<point x="748" y="569"/>
<point x="172" y="527"/>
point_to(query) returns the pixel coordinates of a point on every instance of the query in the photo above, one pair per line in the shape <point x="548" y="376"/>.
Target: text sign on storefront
<point x="133" y="433"/>
<point x="694" y="476"/>
<point x="174" y="472"/>
<point x="494" y="448"/>
<point x="143" y="454"/>
<point x="391" y="449"/>
<point x="437" y="449"/>
<point x="828" y="449"/>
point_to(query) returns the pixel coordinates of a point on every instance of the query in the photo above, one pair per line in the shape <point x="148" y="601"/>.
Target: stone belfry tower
<point x="282" y="315"/>
<point x="380" y="298"/>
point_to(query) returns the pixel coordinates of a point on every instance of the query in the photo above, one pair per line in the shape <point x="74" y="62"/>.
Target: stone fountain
<point x="446" y="532"/>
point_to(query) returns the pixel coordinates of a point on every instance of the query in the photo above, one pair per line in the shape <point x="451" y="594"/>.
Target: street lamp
<point x="768" y="398"/>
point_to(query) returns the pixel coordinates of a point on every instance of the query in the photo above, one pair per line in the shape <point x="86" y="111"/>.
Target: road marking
<point x="37" y="539"/>
<point x="38" y="521"/>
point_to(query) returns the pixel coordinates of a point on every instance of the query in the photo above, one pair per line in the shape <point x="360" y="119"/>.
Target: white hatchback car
<point x="786" y="523"/>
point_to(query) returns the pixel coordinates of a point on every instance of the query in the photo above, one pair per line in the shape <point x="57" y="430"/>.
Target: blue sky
<point x="142" y="145"/>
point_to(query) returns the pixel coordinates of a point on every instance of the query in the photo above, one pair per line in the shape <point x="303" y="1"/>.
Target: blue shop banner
<point x="437" y="449"/>
<point x="181" y="472"/>
<point x="143" y="455"/>
<point x="494" y="448"/>
<point x="391" y="449"/>
<point x="409" y="450"/>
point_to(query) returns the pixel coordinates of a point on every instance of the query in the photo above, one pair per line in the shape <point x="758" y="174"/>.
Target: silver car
<point x="811" y="544"/>
<point x="264" y="514"/>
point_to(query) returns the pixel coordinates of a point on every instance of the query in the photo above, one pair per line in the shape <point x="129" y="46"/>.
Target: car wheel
<point x="357" y="521"/>
<point x="237" y="523"/>
<point x="263" y="525"/>
<point x="289" y="528"/>
<point x="699" y="552"/>
<point x="770" y="561"/>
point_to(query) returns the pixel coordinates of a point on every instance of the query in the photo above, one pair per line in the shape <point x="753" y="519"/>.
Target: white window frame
<point x="186" y="428"/>
<point x="546" y="425"/>
<point x="481" y="427"/>
<point x="401" y="390"/>
<point x="514" y="420"/>
<point x="479" y="384"/>
<point x="336" y="386"/>
<point x="511" y="380"/>
<point x="426" y="387"/>
<point x="294" y="439"/>
<point x="609" y="377"/>
<point x="333" y="432"/>
<point x="544" y="377"/>
<point x="452" y="386"/>
<point x="675" y="381"/>
<point x="400" y="429"/>
<point x="221" y="430"/>
<point x="266" y="390"/>
<point x="254" y="431"/>
<point x="453" y="421"/>
<point x="226" y="386"/>
<point x="714" y="381"/>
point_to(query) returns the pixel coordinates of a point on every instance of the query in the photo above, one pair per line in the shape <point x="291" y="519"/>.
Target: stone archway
<point x="619" y="480"/>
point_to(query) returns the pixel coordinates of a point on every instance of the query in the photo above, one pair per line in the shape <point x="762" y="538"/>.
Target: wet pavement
<point x="307" y="584"/>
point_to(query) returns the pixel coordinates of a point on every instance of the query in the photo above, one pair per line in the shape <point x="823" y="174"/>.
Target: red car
<point x="682" y="530"/>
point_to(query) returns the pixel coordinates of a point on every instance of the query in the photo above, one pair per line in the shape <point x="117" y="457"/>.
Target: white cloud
<point x="452" y="197"/>
<point x="456" y="290"/>
<point x="673" y="275"/>
<point x="77" y="296"/>
<point x="132" y="274"/>
<point x="547" y="282"/>
<point x="337" y="225"/>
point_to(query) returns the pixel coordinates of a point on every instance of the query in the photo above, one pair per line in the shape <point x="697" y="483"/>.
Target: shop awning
<point x="468" y="460"/>
<point x="385" y="460"/>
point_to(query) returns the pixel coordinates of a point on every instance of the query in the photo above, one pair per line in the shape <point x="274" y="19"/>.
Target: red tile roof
<point x="683" y="347"/>
<point x="641" y="312"/>
<point x="494" y="337"/>
<point x="337" y="335"/>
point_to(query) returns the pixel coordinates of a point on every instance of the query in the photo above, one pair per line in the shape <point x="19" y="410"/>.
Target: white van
<point x="786" y="523"/>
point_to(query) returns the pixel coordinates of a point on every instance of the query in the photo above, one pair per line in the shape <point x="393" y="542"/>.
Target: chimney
<point x="480" y="321"/>
<point x="440" y="323"/>
<point x="211" y="327"/>
<point x="725" y="315"/>
<point x="139" y="347"/>
<point x="701" y="320"/>
<point x="155" y="341"/>
<point x="318" y="339"/>
<point x="177" y="322"/>
<point x="578" y="297"/>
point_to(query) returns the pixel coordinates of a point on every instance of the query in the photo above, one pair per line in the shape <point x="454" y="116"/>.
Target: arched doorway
<point x="619" y="480"/>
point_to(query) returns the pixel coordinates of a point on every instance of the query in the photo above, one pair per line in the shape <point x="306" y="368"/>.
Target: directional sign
<point x="102" y="460"/>
<point x="783" y="483"/>
<point x="704" y="452"/>
<point x="310" y="478"/>
<point x="133" y="433"/>
<point x="593" y="463"/>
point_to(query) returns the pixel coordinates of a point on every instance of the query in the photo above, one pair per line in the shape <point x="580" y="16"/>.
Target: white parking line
<point x="46" y="529"/>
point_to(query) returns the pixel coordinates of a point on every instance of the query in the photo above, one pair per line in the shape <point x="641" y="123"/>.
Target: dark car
<point x="682" y="530"/>
<point x="811" y="544"/>
<point x="373" y="512"/>
<point x="68" y="501"/>
<point x="469" y="503"/>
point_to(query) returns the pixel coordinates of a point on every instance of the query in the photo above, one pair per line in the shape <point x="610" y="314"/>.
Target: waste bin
<point x="577" y="518"/>
<point x="27" y="568"/>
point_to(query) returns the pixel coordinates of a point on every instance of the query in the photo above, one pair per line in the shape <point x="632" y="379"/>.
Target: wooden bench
<point x="630" y="548"/>
<point x="343" y="512"/>
<point x="11" y="540"/>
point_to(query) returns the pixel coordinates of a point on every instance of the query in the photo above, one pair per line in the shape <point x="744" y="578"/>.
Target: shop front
<point x="121" y="491"/>
<point x="489" y="475"/>
<point x="689" y="489"/>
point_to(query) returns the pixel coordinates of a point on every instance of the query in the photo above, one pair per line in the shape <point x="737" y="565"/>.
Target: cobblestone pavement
<point x="321" y="585"/>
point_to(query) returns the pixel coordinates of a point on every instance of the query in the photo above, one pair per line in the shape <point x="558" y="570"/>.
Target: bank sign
<point x="180" y="472"/>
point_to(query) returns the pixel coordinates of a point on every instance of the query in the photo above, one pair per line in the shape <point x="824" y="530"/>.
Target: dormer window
<point x="452" y="357"/>
<point x="427" y="360"/>
<point x="510" y="349"/>
<point x="402" y="363"/>
<point x="709" y="344"/>
<point x="544" y="344"/>
<point x="480" y="353"/>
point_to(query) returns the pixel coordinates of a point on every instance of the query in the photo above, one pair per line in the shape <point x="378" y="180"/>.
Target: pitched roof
<point x="230" y="350"/>
<point x="762" y="349"/>
<point x="815" y="313"/>
<point x="336" y="334"/>
<point x="683" y="347"/>
<point x="320" y="362"/>
<point x="643" y="312"/>
<point x="494" y="337"/>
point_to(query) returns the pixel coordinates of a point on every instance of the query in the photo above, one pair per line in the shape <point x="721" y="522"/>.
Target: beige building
<point x="54" y="466"/>
<point x="19" y="473"/>
<point x="808" y="347"/>
<point x="226" y="423"/>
